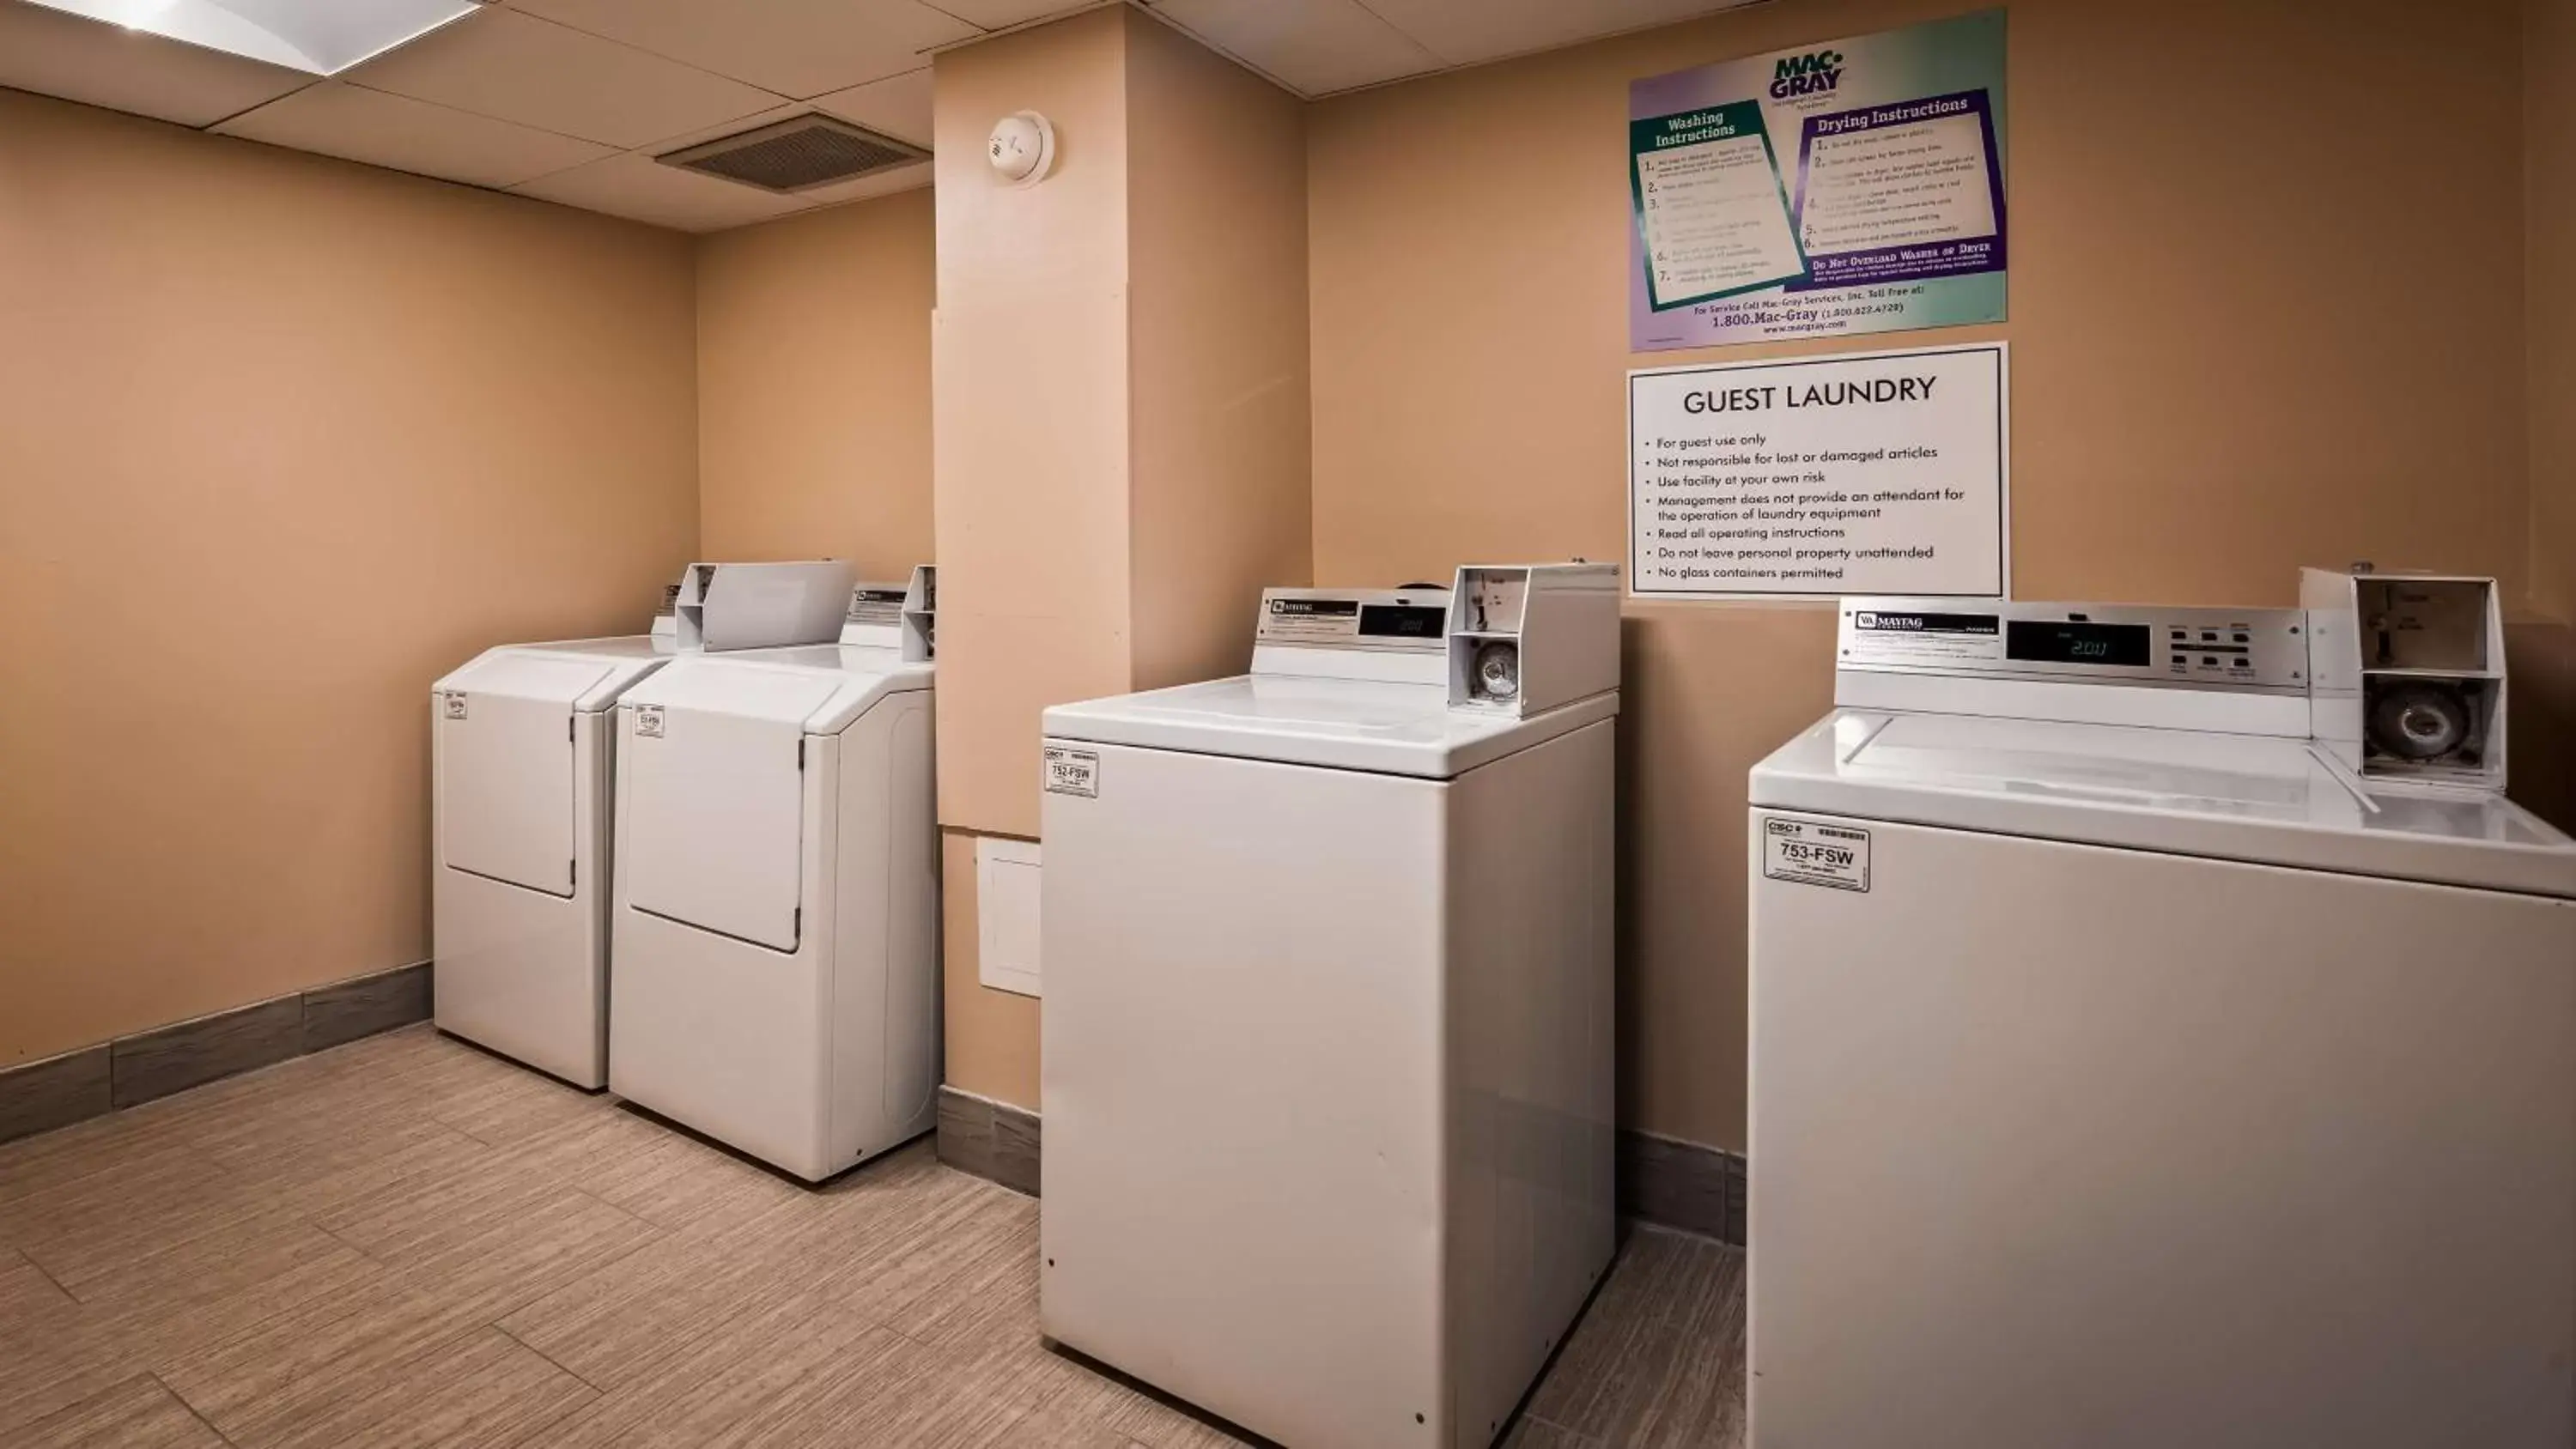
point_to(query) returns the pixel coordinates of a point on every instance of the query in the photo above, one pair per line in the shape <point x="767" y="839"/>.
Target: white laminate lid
<point x="1343" y="724"/>
<point x="2236" y="797"/>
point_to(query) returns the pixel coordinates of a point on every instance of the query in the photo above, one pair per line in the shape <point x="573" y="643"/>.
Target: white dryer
<point x="519" y="764"/>
<point x="2128" y="1071"/>
<point x="1327" y="953"/>
<point x="777" y="948"/>
<point x="520" y="756"/>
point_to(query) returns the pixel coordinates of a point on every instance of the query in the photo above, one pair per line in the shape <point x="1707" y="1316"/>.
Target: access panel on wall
<point x="1845" y="187"/>
<point x="1844" y="473"/>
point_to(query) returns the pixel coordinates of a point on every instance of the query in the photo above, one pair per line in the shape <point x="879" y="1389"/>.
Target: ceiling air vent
<point x="797" y="154"/>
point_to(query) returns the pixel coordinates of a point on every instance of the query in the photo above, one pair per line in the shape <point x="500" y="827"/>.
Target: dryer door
<point x="505" y="768"/>
<point x="715" y="799"/>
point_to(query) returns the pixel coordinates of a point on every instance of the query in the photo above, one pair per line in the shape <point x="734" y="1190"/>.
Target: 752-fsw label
<point x="1072" y="772"/>
<point x="1810" y="852"/>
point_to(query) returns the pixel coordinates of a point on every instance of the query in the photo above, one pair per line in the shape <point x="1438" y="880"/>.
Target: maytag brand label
<point x="1885" y="622"/>
<point x="1919" y="637"/>
<point x="1072" y="772"/>
<point x="1309" y="621"/>
<point x="1810" y="852"/>
<point x="875" y="604"/>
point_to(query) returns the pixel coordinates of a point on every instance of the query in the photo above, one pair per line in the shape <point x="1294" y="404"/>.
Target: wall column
<point x="1120" y="419"/>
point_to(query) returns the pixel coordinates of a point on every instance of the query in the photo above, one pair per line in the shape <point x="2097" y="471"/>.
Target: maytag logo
<point x="1814" y="73"/>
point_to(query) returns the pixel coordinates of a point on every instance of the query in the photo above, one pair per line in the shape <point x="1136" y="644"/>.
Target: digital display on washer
<point x="2041" y="641"/>
<point x="1402" y="621"/>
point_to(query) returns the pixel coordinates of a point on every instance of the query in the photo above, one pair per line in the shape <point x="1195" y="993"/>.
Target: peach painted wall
<point x="1030" y="409"/>
<point x="814" y="387"/>
<point x="2549" y="86"/>
<point x="2219" y="373"/>
<point x="1121" y="418"/>
<point x="1029" y="417"/>
<point x="1220" y="409"/>
<point x="2541" y="651"/>
<point x="282" y="439"/>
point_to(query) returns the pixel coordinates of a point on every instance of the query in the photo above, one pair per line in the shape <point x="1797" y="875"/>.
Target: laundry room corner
<point x="813" y="374"/>
<point x="286" y="436"/>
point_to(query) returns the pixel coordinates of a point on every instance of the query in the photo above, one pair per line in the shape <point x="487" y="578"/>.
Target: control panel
<point x="2232" y="649"/>
<point x="1403" y="621"/>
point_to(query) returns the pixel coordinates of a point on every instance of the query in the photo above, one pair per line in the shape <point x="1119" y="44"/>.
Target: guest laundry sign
<point x="1849" y="473"/>
<point x="1845" y="187"/>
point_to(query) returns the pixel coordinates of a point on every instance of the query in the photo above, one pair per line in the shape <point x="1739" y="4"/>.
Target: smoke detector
<point x="797" y="154"/>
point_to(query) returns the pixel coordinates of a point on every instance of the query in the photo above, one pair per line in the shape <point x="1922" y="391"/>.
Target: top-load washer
<point x="2130" y="1069"/>
<point x="777" y="946"/>
<point x="520" y="768"/>
<point x="1327" y="954"/>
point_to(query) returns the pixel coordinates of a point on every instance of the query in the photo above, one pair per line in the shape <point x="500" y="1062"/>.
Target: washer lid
<point x="2235" y="797"/>
<point x="1341" y="724"/>
<point x="619" y="661"/>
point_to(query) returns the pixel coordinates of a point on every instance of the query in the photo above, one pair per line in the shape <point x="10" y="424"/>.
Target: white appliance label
<point x="648" y="721"/>
<point x="1821" y="477"/>
<point x="1811" y="853"/>
<point x="1073" y="772"/>
<point x="454" y="700"/>
<point x="876" y="604"/>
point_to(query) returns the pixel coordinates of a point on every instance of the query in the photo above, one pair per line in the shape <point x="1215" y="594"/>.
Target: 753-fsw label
<point x="1072" y="772"/>
<point x="1810" y="852"/>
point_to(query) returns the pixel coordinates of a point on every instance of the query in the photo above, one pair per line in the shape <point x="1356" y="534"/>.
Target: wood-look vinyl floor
<point x="407" y="1242"/>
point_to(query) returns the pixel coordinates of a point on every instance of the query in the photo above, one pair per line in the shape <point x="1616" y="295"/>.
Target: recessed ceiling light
<point x="319" y="37"/>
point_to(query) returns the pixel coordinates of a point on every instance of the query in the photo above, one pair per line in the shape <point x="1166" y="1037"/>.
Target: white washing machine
<point x="2128" y="1070"/>
<point x="520" y="753"/>
<point x="776" y="959"/>
<point x="1327" y="954"/>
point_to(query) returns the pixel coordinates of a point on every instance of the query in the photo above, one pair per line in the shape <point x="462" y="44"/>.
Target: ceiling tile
<point x="796" y="48"/>
<point x="1464" y="32"/>
<point x="389" y="130"/>
<point x="899" y="107"/>
<point x="1003" y="14"/>
<point x="1313" y="47"/>
<point x="637" y="186"/>
<point x="55" y="54"/>
<point x="517" y="67"/>
<point x="883" y="183"/>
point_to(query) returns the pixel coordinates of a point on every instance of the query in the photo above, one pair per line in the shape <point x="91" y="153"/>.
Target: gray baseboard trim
<point x="990" y="1139"/>
<point x="1663" y="1181"/>
<point x="42" y="1095"/>
<point x="344" y="1011"/>
<point x="1676" y="1184"/>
